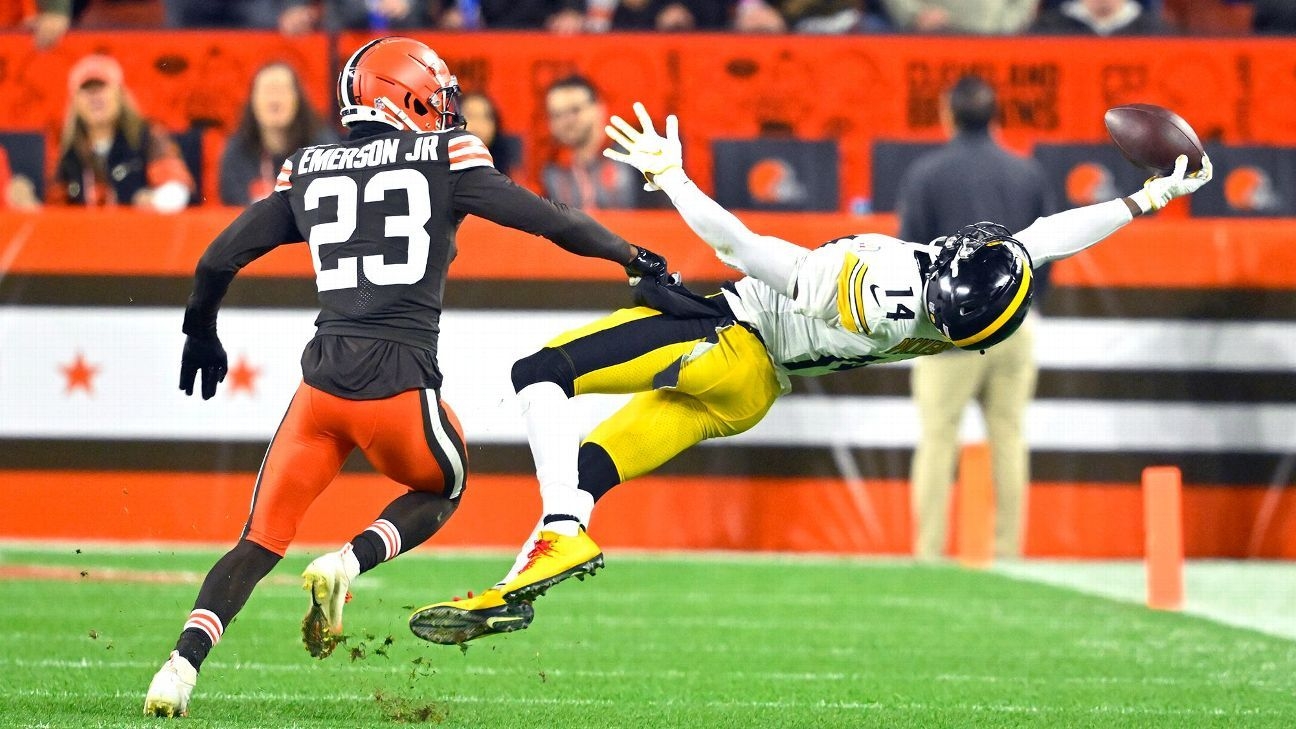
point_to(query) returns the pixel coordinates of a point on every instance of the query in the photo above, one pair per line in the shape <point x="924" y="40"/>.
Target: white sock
<point x="568" y="502"/>
<point x="554" y="436"/>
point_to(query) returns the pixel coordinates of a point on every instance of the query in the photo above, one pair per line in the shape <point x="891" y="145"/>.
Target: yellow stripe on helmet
<point x="1007" y="314"/>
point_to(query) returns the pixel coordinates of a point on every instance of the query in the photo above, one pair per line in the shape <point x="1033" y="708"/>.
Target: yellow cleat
<point x="553" y="558"/>
<point x="463" y="619"/>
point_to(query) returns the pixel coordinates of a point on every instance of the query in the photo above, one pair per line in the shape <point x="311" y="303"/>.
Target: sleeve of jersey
<point x="466" y="152"/>
<point x="262" y="227"/>
<point x="766" y="258"/>
<point x="830" y="286"/>
<point x="283" y="183"/>
<point x="1071" y="231"/>
<point x="491" y="195"/>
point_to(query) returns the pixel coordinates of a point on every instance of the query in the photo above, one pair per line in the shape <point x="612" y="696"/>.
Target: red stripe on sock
<point x="207" y="622"/>
<point x="389" y="535"/>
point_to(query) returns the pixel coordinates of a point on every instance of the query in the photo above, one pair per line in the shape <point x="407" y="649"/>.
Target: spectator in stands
<point x="557" y="16"/>
<point x="972" y="178"/>
<point x="337" y="15"/>
<point x="484" y="123"/>
<point x="18" y="192"/>
<point x="109" y="154"/>
<point x="983" y="17"/>
<point x="1274" y="16"/>
<point x="660" y="15"/>
<point x="808" y="16"/>
<point x="277" y="120"/>
<point x="1099" y="17"/>
<point x="48" y="20"/>
<point x="226" y="14"/>
<point x="581" y="176"/>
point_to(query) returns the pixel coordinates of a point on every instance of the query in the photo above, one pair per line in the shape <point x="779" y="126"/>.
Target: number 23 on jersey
<point x="410" y="227"/>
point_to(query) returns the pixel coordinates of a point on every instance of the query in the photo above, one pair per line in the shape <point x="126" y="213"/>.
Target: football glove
<point x="203" y="354"/>
<point x="646" y="264"/>
<point x="1159" y="191"/>
<point x="645" y="150"/>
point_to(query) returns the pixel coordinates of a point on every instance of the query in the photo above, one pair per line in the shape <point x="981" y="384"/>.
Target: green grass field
<point x="650" y="642"/>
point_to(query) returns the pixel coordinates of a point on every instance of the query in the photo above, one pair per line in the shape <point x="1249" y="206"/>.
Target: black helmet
<point x="979" y="288"/>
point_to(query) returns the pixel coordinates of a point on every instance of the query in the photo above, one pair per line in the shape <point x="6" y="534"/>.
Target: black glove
<point x="646" y="264"/>
<point x="206" y="354"/>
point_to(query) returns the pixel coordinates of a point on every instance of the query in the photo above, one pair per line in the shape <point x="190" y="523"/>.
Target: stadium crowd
<point x="48" y="20"/>
<point x="126" y="159"/>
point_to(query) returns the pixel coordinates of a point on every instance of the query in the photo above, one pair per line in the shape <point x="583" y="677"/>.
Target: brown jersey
<point x="379" y="213"/>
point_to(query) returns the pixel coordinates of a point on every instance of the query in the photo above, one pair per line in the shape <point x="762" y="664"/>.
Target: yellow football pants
<point x="694" y="379"/>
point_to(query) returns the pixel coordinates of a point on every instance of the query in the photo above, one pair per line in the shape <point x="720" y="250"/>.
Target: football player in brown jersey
<point x="379" y="212"/>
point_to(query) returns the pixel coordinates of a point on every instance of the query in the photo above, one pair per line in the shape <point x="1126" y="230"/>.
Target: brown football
<point x="1152" y="137"/>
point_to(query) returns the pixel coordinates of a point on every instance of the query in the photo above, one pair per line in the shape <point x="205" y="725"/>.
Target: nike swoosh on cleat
<point x="501" y="620"/>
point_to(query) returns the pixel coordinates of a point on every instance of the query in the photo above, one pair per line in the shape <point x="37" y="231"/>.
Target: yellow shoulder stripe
<point x="850" y="294"/>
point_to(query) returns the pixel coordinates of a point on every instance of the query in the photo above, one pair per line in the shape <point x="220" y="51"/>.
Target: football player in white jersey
<point x="708" y="367"/>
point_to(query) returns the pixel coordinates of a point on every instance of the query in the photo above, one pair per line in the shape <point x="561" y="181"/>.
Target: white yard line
<point x="383" y="666"/>
<point x="1256" y="594"/>
<point x="781" y="704"/>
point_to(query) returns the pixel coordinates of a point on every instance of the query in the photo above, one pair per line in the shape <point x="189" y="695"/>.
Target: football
<point x="1152" y="137"/>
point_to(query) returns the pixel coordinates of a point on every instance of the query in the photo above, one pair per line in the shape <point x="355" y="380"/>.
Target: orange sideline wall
<point x="1205" y="253"/>
<point x="854" y="89"/>
<point x="722" y="512"/>
<point x="811" y="515"/>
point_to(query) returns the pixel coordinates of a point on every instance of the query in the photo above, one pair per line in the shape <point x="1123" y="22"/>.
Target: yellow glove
<point x="646" y="151"/>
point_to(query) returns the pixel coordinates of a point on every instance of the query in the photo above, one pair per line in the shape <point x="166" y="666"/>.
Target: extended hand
<point x="1159" y="191"/>
<point x="646" y="151"/>
<point x="205" y="354"/>
<point x="646" y="264"/>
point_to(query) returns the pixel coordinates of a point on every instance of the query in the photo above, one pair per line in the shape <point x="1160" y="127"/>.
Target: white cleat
<point x="169" y="692"/>
<point x="328" y="580"/>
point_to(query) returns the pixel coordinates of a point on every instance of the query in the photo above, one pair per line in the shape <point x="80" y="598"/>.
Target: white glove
<point x="1159" y="191"/>
<point x="645" y="150"/>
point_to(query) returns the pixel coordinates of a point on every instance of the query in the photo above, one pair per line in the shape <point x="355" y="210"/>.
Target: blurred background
<point x="134" y="129"/>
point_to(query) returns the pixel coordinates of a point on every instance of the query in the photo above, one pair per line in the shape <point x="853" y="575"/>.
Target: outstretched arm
<point x="1067" y="233"/>
<point x="263" y="226"/>
<point x="769" y="259"/>
<point x="485" y="192"/>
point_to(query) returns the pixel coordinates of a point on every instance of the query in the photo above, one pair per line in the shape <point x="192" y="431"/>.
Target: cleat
<point x="463" y="619"/>
<point x="169" y="692"/>
<point x="327" y="581"/>
<point x="553" y="558"/>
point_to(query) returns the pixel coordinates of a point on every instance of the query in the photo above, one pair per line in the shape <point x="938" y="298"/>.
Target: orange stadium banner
<point x="1182" y="355"/>
<point x="1172" y="343"/>
<point x="853" y="89"/>
<point x="1206" y="254"/>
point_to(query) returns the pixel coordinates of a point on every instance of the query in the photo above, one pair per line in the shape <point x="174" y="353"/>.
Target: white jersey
<point x="853" y="302"/>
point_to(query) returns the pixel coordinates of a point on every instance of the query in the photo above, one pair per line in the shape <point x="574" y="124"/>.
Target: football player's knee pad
<point x="598" y="474"/>
<point x="547" y="365"/>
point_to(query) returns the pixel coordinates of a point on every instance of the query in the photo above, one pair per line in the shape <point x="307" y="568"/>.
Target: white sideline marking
<point x="781" y="704"/>
<point x="672" y="674"/>
<point x="1253" y="594"/>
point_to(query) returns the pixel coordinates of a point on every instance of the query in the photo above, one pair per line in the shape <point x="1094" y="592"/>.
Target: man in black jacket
<point x="972" y="178"/>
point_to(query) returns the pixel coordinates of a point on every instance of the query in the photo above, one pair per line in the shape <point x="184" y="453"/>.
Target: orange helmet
<point x="401" y="82"/>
